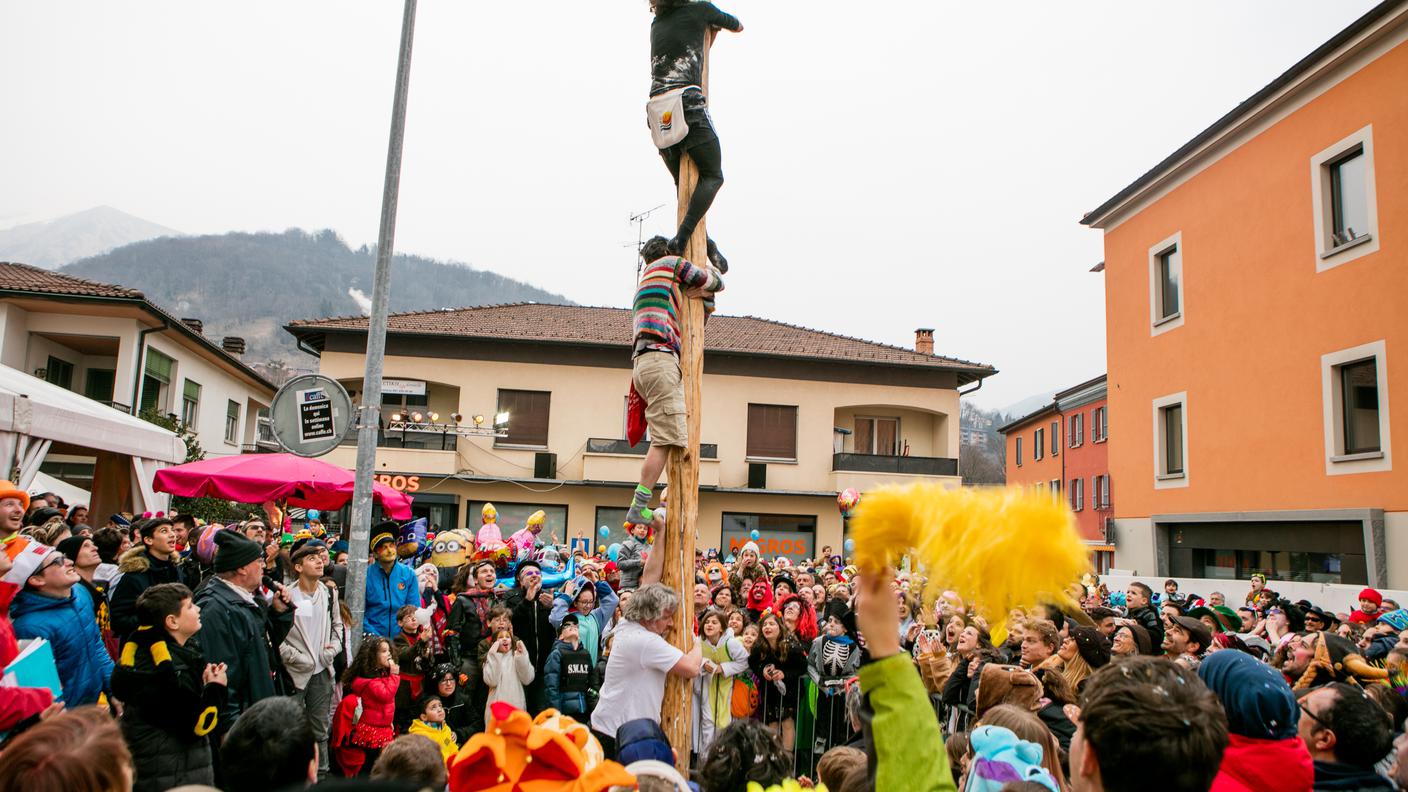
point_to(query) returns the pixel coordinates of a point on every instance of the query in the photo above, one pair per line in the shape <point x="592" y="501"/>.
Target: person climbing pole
<point x="678" y="110"/>
<point x="655" y="373"/>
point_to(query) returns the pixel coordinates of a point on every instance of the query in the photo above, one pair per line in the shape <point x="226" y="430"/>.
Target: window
<point x="1356" y="410"/>
<point x="513" y="516"/>
<point x="1077" y="431"/>
<point x="190" y="402"/>
<point x="59" y="372"/>
<point x="1055" y="438"/>
<point x="1099" y="428"/>
<point x="1166" y="303"/>
<point x="1019" y="450"/>
<point x="1171" y="441"/>
<point x="1056" y="489"/>
<point x="772" y="431"/>
<point x="156" y="382"/>
<point x="1077" y="492"/>
<point x="1038" y="444"/>
<point x="232" y="422"/>
<point x="789" y="535"/>
<point x="527" y="417"/>
<point x="98" y="384"/>
<point x="877" y="436"/>
<point x="1170" y="276"/>
<point x="1344" y="201"/>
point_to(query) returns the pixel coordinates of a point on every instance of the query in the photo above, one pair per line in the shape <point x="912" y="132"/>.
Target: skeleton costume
<point x="832" y="661"/>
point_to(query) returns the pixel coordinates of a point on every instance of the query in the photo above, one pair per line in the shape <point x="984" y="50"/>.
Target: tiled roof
<point x="24" y="278"/>
<point x="576" y="324"/>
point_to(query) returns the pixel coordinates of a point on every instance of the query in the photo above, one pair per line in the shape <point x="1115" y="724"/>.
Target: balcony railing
<point x="602" y="445"/>
<point x="907" y="465"/>
<point x="427" y="441"/>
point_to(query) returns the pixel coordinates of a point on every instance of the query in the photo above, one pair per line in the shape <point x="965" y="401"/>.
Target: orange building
<point x="1061" y="448"/>
<point x="1256" y="334"/>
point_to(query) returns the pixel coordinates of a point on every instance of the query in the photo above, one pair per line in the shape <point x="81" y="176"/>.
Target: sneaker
<point x="638" y="515"/>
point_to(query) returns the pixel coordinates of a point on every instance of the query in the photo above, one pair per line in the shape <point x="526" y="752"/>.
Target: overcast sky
<point x="890" y="165"/>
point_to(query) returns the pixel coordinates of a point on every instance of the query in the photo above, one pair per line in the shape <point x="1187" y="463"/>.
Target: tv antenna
<point x="639" y="219"/>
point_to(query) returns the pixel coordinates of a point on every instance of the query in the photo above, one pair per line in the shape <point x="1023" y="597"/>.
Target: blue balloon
<point x="613" y="551"/>
<point x="604" y="531"/>
<point x="754" y="535"/>
<point x="314" y="514"/>
<point x="850" y="545"/>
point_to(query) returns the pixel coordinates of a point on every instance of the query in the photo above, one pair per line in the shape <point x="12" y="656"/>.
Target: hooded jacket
<point x="139" y="571"/>
<point x="301" y="652"/>
<point x="84" y="665"/>
<point x="242" y="635"/>
<point x="17" y="704"/>
<point x="1263" y="749"/>
<point x="631" y="561"/>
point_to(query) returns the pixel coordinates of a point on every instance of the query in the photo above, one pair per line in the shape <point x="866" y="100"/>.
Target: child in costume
<point x="507" y="669"/>
<point x="570" y="677"/>
<point x="631" y="557"/>
<point x="431" y="724"/>
<point x="171" y="696"/>
<point x="724" y="659"/>
<point x="593" y="604"/>
<point x="747" y="567"/>
<point x="834" y="658"/>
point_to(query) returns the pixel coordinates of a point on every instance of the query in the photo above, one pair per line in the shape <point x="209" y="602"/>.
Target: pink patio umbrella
<point x="257" y="478"/>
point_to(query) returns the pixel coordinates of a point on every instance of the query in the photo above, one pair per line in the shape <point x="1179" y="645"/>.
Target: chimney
<point x="195" y="324"/>
<point x="233" y="344"/>
<point x="924" y="340"/>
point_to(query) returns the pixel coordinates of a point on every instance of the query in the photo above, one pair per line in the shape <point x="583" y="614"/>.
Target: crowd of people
<point x="224" y="656"/>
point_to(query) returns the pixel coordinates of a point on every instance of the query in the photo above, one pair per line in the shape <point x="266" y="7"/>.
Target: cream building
<point x="791" y="417"/>
<point x="113" y="345"/>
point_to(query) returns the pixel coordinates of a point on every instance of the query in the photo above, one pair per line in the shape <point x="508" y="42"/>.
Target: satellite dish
<point x="311" y="415"/>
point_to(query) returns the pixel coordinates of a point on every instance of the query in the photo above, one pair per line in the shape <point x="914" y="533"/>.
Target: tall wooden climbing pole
<point x="682" y="472"/>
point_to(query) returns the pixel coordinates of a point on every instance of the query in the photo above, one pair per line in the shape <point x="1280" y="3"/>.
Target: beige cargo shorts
<point x="656" y="376"/>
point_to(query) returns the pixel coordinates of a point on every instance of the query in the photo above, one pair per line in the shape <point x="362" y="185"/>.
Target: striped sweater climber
<point x="657" y="302"/>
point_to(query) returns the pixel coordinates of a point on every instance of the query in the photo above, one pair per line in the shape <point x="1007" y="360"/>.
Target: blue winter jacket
<point x="68" y="625"/>
<point x="386" y="595"/>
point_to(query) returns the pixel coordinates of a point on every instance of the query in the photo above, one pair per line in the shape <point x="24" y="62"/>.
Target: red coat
<point x="16" y="704"/>
<point x="1360" y="617"/>
<point x="376" y="729"/>
<point x="1251" y="765"/>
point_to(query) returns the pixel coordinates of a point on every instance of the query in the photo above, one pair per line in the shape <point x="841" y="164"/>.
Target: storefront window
<point x="789" y="535"/>
<point x="513" y="516"/>
<point x="1301" y="567"/>
<point x="614" y="519"/>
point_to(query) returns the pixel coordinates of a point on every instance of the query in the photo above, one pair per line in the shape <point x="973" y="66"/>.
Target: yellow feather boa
<point x="999" y="548"/>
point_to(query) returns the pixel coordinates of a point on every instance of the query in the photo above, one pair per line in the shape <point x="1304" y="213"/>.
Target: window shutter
<point x="159" y="366"/>
<point x="192" y="391"/>
<point x="772" y="431"/>
<point x="528" y="416"/>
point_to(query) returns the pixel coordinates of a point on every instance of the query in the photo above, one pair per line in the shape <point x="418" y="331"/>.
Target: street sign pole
<point x="369" y="416"/>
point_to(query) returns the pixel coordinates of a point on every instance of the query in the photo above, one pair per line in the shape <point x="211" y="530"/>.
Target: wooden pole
<point x="682" y="472"/>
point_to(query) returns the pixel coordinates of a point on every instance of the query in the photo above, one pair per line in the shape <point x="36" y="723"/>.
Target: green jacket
<point x="909" y="748"/>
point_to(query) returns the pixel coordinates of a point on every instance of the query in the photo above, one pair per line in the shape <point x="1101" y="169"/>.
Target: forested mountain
<point x="250" y="285"/>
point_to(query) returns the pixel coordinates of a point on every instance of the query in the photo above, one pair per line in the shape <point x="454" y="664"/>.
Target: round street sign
<point x="311" y="415"/>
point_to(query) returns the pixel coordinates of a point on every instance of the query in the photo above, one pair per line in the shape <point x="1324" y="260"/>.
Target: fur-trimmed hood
<point x="137" y="560"/>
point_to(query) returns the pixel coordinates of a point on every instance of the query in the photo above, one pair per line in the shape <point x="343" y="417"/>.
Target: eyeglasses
<point x="1304" y="710"/>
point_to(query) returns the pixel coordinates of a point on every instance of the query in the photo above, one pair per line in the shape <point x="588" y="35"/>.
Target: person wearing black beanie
<point x="84" y="554"/>
<point x="243" y="631"/>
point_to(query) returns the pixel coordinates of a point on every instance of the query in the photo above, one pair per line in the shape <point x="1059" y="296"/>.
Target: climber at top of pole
<point x="678" y="110"/>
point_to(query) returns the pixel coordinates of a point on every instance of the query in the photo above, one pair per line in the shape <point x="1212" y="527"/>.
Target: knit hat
<point x="233" y="550"/>
<point x="26" y="556"/>
<point x="340" y="546"/>
<point x="1217" y="618"/>
<point x="1197" y="631"/>
<point x="1000" y="758"/>
<point x="1397" y="619"/>
<point x="118" y="520"/>
<point x="70" y="546"/>
<point x="642" y="739"/>
<point x="9" y="490"/>
<point x="1093" y="647"/>
<point x="1256" y="697"/>
<point x="1373" y="596"/>
<point x="750" y="546"/>
<point x="1007" y="684"/>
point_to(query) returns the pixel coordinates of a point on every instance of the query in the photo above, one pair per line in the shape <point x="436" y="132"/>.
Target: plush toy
<point x="518" y="752"/>
<point x="410" y="540"/>
<point x="489" y="536"/>
<point x="449" y="551"/>
<point x="521" y="543"/>
<point x="1000" y="758"/>
<point x="1000" y="549"/>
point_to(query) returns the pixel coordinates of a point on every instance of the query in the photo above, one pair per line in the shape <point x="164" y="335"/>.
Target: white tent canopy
<point x="73" y="496"/>
<point x="35" y="414"/>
